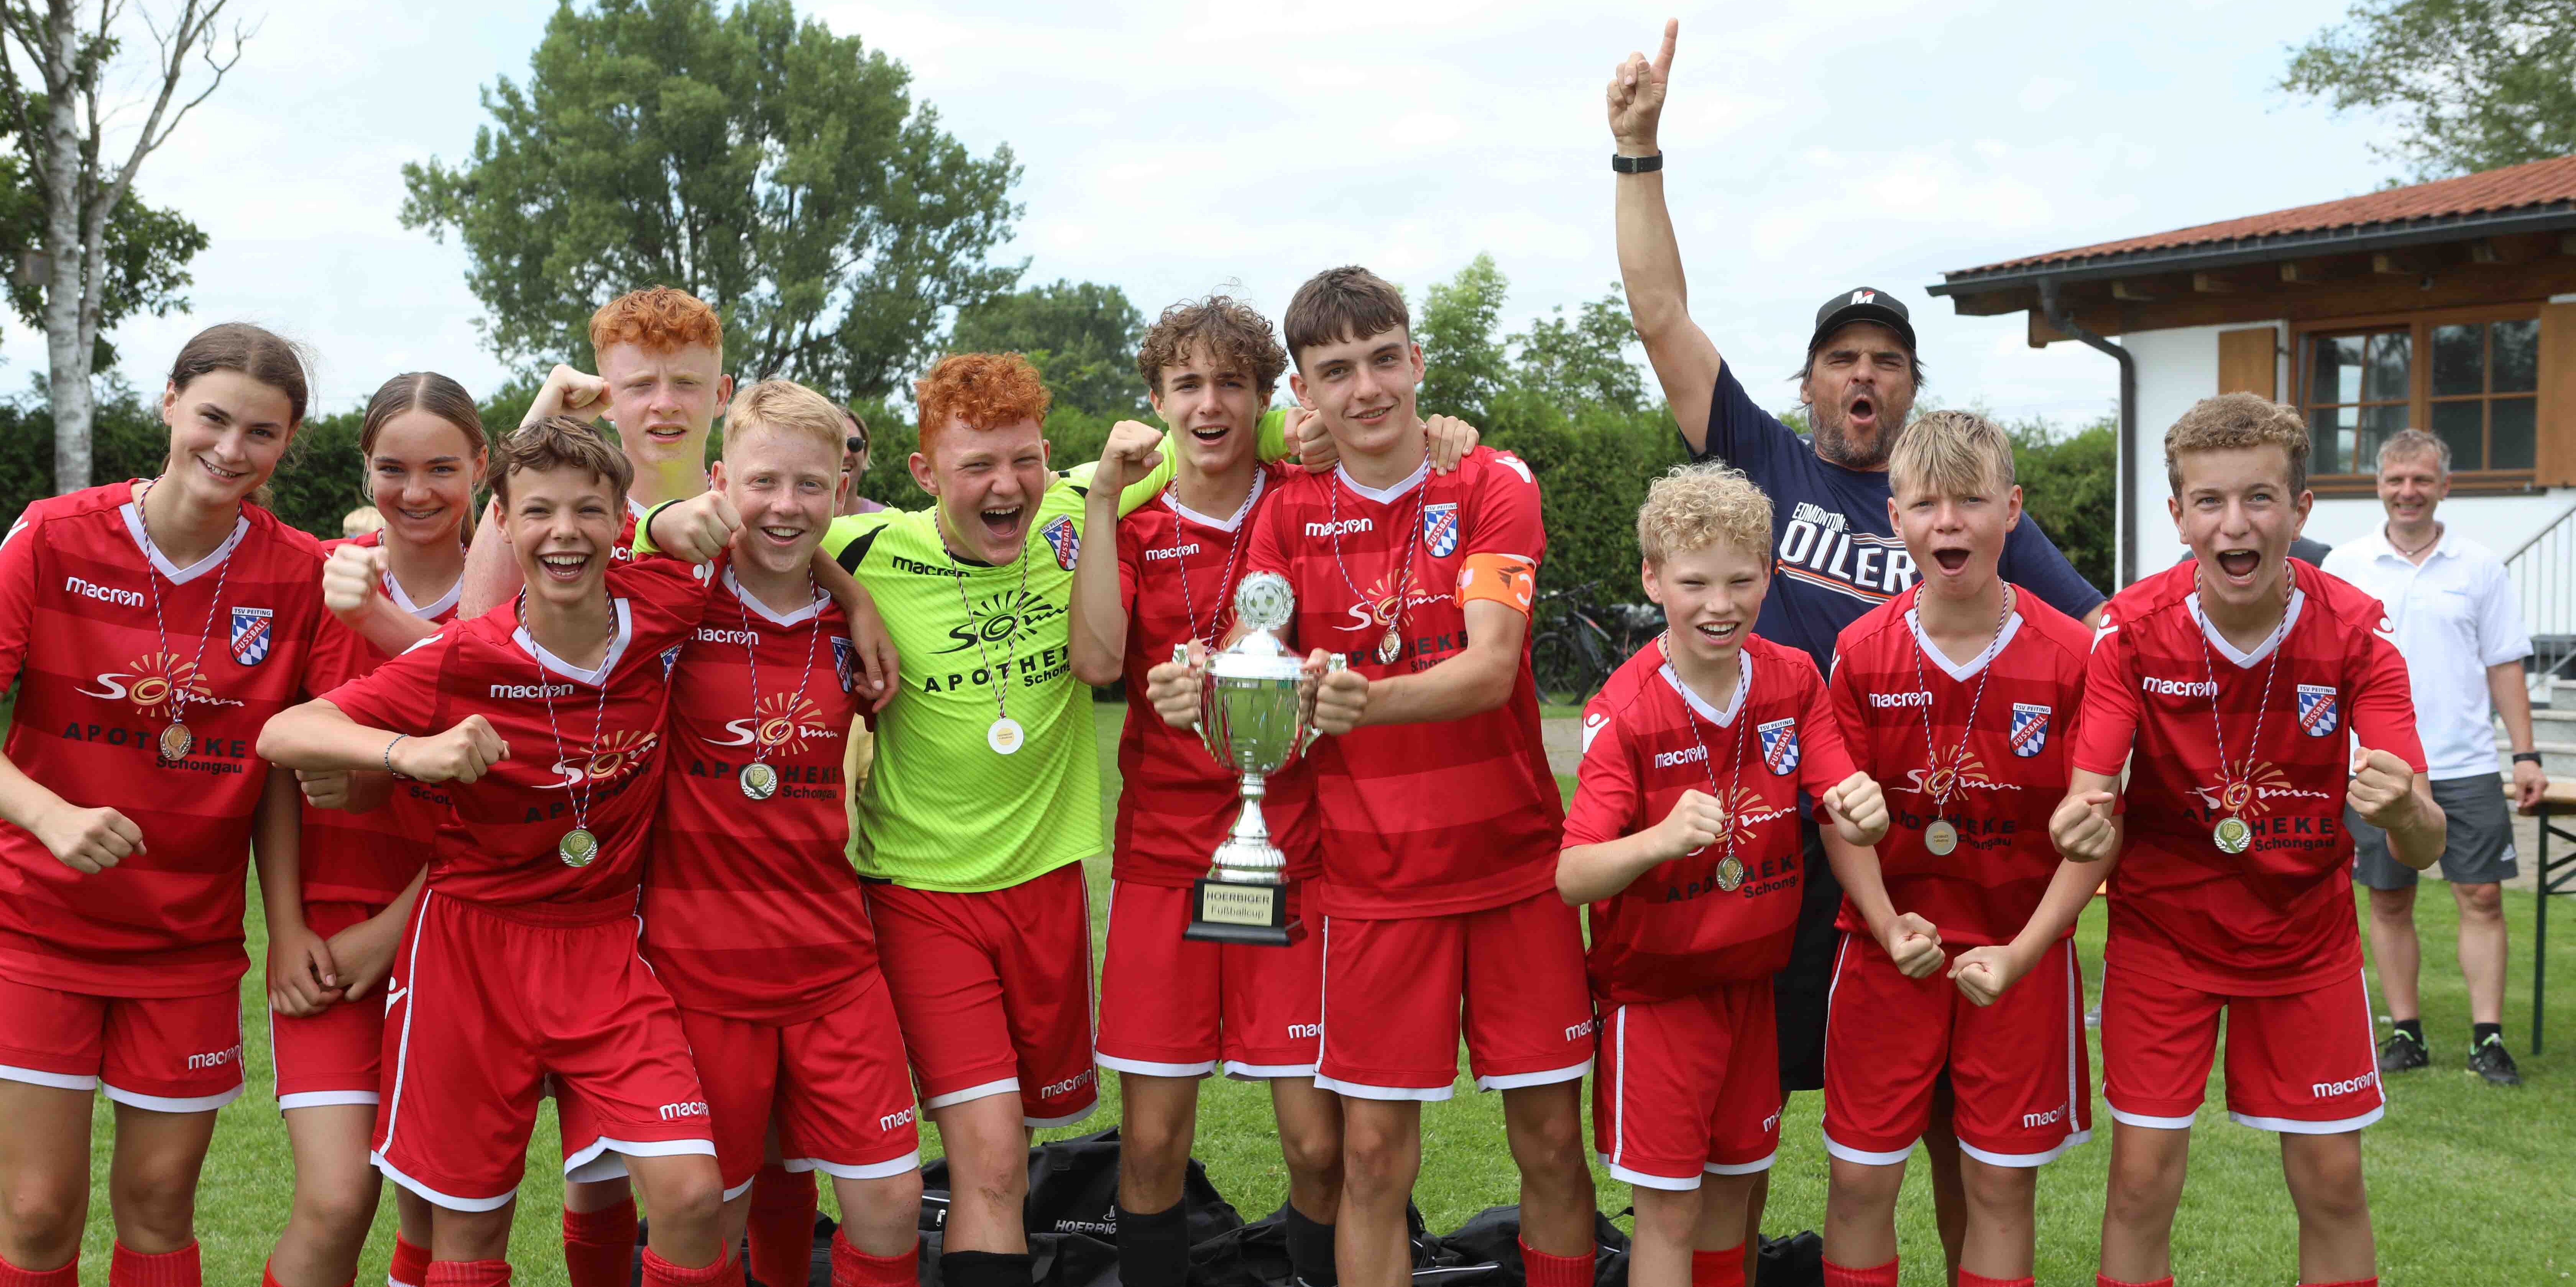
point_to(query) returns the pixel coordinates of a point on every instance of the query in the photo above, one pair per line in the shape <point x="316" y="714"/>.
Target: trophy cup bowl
<point x="1256" y="711"/>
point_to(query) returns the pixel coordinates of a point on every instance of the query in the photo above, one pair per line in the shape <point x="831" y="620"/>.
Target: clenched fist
<point x="2382" y="789"/>
<point x="1983" y="973"/>
<point x="1695" y="823"/>
<point x="89" y="841"/>
<point x="1914" y="944"/>
<point x="1133" y="449"/>
<point x="1173" y="687"/>
<point x="697" y="529"/>
<point x="2082" y="828"/>
<point x="1637" y="95"/>
<point x="1858" y="810"/>
<point x="461" y="754"/>
<point x="1341" y="695"/>
<point x="352" y="578"/>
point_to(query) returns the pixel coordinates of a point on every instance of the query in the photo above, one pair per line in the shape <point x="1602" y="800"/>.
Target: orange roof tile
<point x="2533" y="183"/>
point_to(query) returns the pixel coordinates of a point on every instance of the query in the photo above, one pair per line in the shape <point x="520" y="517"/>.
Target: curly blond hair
<point x="1696" y="506"/>
<point x="2232" y="421"/>
<point x="1955" y="452"/>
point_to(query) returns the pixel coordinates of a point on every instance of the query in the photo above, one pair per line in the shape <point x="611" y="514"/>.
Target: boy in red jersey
<point x="1960" y="694"/>
<point x="154" y="624"/>
<point x="1684" y="840"/>
<point x="752" y="915"/>
<point x="1440" y="827"/>
<point x="1170" y="1009"/>
<point x="519" y="961"/>
<point x="2253" y="696"/>
<point x="422" y="442"/>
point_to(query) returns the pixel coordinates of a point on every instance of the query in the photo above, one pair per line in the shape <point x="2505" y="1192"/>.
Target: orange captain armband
<point x="1499" y="578"/>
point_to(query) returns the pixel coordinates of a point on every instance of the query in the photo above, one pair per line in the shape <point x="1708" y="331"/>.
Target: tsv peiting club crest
<point x="2316" y="710"/>
<point x="1440" y="529"/>
<point x="251" y="635"/>
<point x="2029" y="729"/>
<point x="1779" y="746"/>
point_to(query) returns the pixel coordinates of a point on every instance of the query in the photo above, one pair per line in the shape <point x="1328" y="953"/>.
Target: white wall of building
<point x="2179" y="367"/>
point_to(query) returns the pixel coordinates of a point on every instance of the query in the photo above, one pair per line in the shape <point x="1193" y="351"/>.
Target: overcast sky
<point x="1173" y="148"/>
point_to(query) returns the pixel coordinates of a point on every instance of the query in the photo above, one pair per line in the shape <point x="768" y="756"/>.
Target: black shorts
<point x="1799" y="992"/>
<point x="2477" y="847"/>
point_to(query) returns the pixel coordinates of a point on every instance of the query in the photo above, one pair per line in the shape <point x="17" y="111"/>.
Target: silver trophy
<point x="1256" y="713"/>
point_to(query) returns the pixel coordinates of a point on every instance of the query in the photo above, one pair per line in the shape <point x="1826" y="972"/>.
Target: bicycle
<point x="1573" y="655"/>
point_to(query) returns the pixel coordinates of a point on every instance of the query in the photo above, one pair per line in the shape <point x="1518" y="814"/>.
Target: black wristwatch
<point x="1636" y="164"/>
<point x="2526" y="757"/>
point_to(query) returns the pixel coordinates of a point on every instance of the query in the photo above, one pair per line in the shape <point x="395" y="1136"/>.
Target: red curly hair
<point x="657" y="319"/>
<point x="985" y="390"/>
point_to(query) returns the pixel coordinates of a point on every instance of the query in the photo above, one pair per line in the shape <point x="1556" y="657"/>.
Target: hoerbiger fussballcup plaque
<point x="1256" y="707"/>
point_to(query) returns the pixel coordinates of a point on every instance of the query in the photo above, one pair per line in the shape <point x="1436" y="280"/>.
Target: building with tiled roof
<point x="2447" y="306"/>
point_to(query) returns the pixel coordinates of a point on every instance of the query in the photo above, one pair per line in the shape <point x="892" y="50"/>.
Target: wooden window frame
<point x="2419" y="382"/>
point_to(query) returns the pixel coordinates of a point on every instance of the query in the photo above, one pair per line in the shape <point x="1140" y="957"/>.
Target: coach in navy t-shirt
<point x="1835" y="554"/>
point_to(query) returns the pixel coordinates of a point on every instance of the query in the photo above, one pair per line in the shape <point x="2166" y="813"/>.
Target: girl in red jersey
<point x="157" y="624"/>
<point x="423" y="443"/>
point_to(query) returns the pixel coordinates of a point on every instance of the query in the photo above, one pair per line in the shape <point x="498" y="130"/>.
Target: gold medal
<point x="1389" y="647"/>
<point x="1005" y="736"/>
<point x="1941" y="837"/>
<point x="577" y="847"/>
<point x="1730" y="873"/>
<point x="759" y="781"/>
<point x="176" y="742"/>
<point x="2231" y="835"/>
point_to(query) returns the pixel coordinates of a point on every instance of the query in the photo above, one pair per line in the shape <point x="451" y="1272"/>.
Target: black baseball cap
<point x="1861" y="304"/>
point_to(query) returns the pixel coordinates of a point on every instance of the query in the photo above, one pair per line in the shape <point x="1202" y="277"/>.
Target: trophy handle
<point x="1181" y="657"/>
<point x="1332" y="662"/>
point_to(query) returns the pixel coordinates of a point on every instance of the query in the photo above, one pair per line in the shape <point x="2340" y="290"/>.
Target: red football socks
<point x="1544" y="1270"/>
<point x="1718" y="1268"/>
<point x="2106" y="1280"/>
<point x="782" y="1226"/>
<point x="1874" y="1276"/>
<point x="166" y="1269"/>
<point x="468" y="1273"/>
<point x="410" y="1267"/>
<point x="852" y="1267"/>
<point x="599" y="1246"/>
<point x="67" y="1276"/>
<point x="662" y="1273"/>
<point x="1971" y="1278"/>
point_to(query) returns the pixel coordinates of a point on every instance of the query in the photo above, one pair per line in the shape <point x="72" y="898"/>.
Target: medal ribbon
<point x="152" y="577"/>
<point x="751" y="657"/>
<point x="1404" y="578"/>
<point x="598" y="724"/>
<point x="1735" y="772"/>
<point x="1931" y="757"/>
<point x="1011" y="651"/>
<point x="2209" y="665"/>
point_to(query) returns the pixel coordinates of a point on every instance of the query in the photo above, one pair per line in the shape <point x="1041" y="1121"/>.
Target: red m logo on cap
<point x="1863" y="296"/>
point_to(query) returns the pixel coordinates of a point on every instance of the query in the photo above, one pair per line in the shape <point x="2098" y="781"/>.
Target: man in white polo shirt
<point x="2463" y="639"/>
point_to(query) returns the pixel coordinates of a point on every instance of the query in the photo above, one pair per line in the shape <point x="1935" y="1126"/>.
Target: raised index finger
<point x="1664" y="55"/>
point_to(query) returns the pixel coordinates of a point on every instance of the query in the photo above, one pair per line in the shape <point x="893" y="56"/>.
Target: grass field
<point x="2469" y="1184"/>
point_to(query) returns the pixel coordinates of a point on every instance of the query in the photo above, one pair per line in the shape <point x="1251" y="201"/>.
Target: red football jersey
<point x="77" y="625"/>
<point x="1904" y="710"/>
<point x="751" y="907"/>
<point x="581" y="765"/>
<point x="369" y="857"/>
<point x="1647" y="739"/>
<point x="1177" y="570"/>
<point x="1417" y="819"/>
<point x="2277" y="918"/>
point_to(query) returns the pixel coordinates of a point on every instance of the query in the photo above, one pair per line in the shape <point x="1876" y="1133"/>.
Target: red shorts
<point x="2303" y="1062"/>
<point x="167" y="1054"/>
<point x="1173" y="1007"/>
<point x="337" y="1056"/>
<point x="482" y="1010"/>
<point x="1688" y="1087"/>
<point x="1398" y="992"/>
<point x="994" y="991"/>
<point x="836" y="1085"/>
<point x="2017" y="1067"/>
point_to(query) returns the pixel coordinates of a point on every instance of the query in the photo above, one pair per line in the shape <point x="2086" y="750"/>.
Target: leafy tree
<point x="2473" y="84"/>
<point x="1081" y="336"/>
<point x="1582" y="362"/>
<point x="94" y="252"/>
<point x="781" y="173"/>
<point x="1463" y="361"/>
<point x="2070" y="486"/>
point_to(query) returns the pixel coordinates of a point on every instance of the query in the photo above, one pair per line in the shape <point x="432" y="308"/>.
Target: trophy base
<point x="1225" y="911"/>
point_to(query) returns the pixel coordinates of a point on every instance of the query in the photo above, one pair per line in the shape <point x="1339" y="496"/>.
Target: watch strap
<point x="1636" y="164"/>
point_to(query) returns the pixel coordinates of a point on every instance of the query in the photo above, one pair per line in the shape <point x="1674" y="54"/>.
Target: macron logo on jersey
<point x="1345" y="527"/>
<point x="92" y="590"/>
<point x="2179" y="687"/>
<point x="685" y="1108"/>
<point x="1889" y="701"/>
<point x="1173" y="553"/>
<point x="747" y="638"/>
<point x="1686" y="755"/>
<point x="531" y="692"/>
